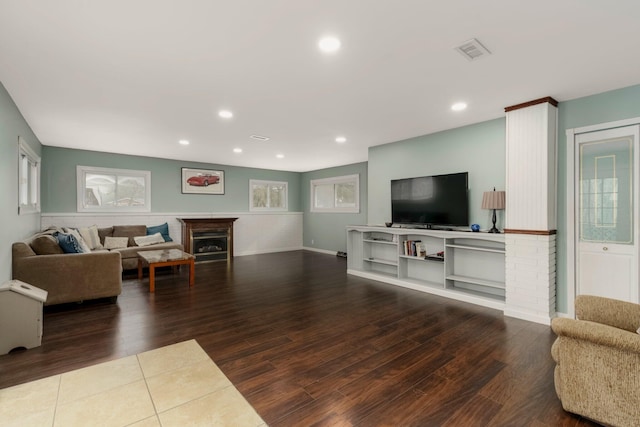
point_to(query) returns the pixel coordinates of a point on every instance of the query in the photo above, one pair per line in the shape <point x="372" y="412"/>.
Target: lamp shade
<point x="493" y="200"/>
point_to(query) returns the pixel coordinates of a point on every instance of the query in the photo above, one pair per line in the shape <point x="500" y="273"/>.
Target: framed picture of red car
<point x="202" y="181"/>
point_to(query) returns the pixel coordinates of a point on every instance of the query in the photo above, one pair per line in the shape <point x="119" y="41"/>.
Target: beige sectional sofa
<point x="72" y="277"/>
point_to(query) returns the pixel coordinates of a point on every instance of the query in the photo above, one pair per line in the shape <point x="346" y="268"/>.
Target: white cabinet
<point x="419" y="270"/>
<point x="476" y="266"/>
<point x="20" y="315"/>
<point x="455" y="264"/>
<point x="376" y="253"/>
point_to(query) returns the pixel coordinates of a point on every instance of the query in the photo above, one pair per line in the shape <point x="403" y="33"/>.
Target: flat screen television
<point x="431" y="200"/>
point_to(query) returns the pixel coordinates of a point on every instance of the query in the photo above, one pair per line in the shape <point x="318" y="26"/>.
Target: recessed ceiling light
<point x="237" y="150"/>
<point x="225" y="114"/>
<point x="459" y="106"/>
<point x="341" y="139"/>
<point x="183" y="142"/>
<point x="260" y="137"/>
<point x="280" y="156"/>
<point x="329" y="44"/>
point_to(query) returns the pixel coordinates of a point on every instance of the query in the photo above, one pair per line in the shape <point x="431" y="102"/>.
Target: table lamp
<point x="493" y="200"/>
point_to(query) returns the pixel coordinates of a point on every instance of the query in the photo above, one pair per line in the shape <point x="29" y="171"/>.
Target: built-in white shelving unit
<point x="461" y="265"/>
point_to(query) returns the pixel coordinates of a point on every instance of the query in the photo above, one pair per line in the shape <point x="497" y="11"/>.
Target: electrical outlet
<point x="312" y="241"/>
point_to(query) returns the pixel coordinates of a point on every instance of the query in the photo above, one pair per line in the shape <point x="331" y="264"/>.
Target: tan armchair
<point x="597" y="357"/>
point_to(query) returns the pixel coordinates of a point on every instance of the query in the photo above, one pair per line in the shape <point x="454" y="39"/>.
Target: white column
<point x="530" y="213"/>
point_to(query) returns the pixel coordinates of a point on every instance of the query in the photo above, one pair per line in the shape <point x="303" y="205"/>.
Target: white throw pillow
<point x="91" y="236"/>
<point x="115" y="242"/>
<point x="85" y="247"/>
<point x="149" y="240"/>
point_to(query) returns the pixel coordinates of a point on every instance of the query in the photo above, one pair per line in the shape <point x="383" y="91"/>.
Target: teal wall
<point x="327" y="230"/>
<point x="59" y="182"/>
<point x="478" y="149"/>
<point x="605" y="107"/>
<point x="13" y="227"/>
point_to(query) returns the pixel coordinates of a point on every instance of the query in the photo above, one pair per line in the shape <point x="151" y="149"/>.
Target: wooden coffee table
<point x="165" y="258"/>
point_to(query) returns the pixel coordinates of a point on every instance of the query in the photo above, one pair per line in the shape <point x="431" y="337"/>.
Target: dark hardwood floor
<point x="308" y="345"/>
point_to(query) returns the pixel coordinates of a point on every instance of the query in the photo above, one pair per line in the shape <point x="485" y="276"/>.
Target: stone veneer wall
<point x="530" y="271"/>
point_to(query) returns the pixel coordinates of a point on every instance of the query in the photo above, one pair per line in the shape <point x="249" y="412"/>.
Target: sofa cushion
<point x="69" y="243"/>
<point x="83" y="245"/>
<point x="91" y="237"/>
<point x="115" y="242"/>
<point x="148" y="240"/>
<point x="46" y="245"/>
<point x="105" y="232"/>
<point x="163" y="229"/>
<point x="129" y="231"/>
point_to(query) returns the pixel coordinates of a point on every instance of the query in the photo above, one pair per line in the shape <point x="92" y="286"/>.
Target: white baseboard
<point x="531" y="317"/>
<point x="565" y="315"/>
<point x="322" y="251"/>
<point x="269" y="251"/>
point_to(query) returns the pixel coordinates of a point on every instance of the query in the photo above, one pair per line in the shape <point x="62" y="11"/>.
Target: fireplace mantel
<point x="208" y="239"/>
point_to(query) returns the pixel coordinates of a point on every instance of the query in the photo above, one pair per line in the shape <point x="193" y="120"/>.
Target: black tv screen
<point x="431" y="200"/>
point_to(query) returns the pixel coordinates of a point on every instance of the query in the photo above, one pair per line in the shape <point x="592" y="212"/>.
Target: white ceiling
<point x="136" y="76"/>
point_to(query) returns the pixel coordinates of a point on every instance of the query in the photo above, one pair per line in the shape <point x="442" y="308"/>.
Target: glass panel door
<point x="606" y="191"/>
<point x="607" y="215"/>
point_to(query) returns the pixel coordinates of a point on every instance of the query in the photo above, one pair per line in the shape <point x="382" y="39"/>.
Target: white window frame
<point x="28" y="179"/>
<point x="355" y="179"/>
<point x="252" y="208"/>
<point x="82" y="171"/>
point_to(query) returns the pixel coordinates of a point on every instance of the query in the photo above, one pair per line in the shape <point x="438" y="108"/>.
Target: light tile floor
<point x="177" y="385"/>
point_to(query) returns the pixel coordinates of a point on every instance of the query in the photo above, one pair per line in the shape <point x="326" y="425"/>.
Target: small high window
<point x="339" y="194"/>
<point x="268" y="195"/>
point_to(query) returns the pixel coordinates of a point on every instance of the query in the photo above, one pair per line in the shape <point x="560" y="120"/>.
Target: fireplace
<point x="208" y="239"/>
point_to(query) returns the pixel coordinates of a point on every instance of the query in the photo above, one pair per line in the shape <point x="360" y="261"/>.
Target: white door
<point x="606" y="190"/>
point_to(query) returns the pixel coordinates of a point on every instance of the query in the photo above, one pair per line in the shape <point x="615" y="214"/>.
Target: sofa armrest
<point x="616" y="313"/>
<point x="597" y="333"/>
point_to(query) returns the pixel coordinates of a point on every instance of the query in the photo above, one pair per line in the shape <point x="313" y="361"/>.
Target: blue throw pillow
<point x="163" y="229"/>
<point x="69" y="243"/>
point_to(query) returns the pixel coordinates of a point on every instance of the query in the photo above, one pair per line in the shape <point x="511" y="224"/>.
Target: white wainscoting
<point x="531" y="168"/>
<point x="253" y="233"/>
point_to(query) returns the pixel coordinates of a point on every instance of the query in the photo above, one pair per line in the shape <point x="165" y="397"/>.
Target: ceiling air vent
<point x="260" y="137"/>
<point x="472" y="50"/>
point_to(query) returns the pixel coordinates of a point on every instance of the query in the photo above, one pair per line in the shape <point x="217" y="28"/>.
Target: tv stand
<point x="471" y="270"/>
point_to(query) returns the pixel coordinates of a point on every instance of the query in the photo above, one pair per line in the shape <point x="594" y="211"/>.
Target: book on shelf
<point x="414" y="247"/>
